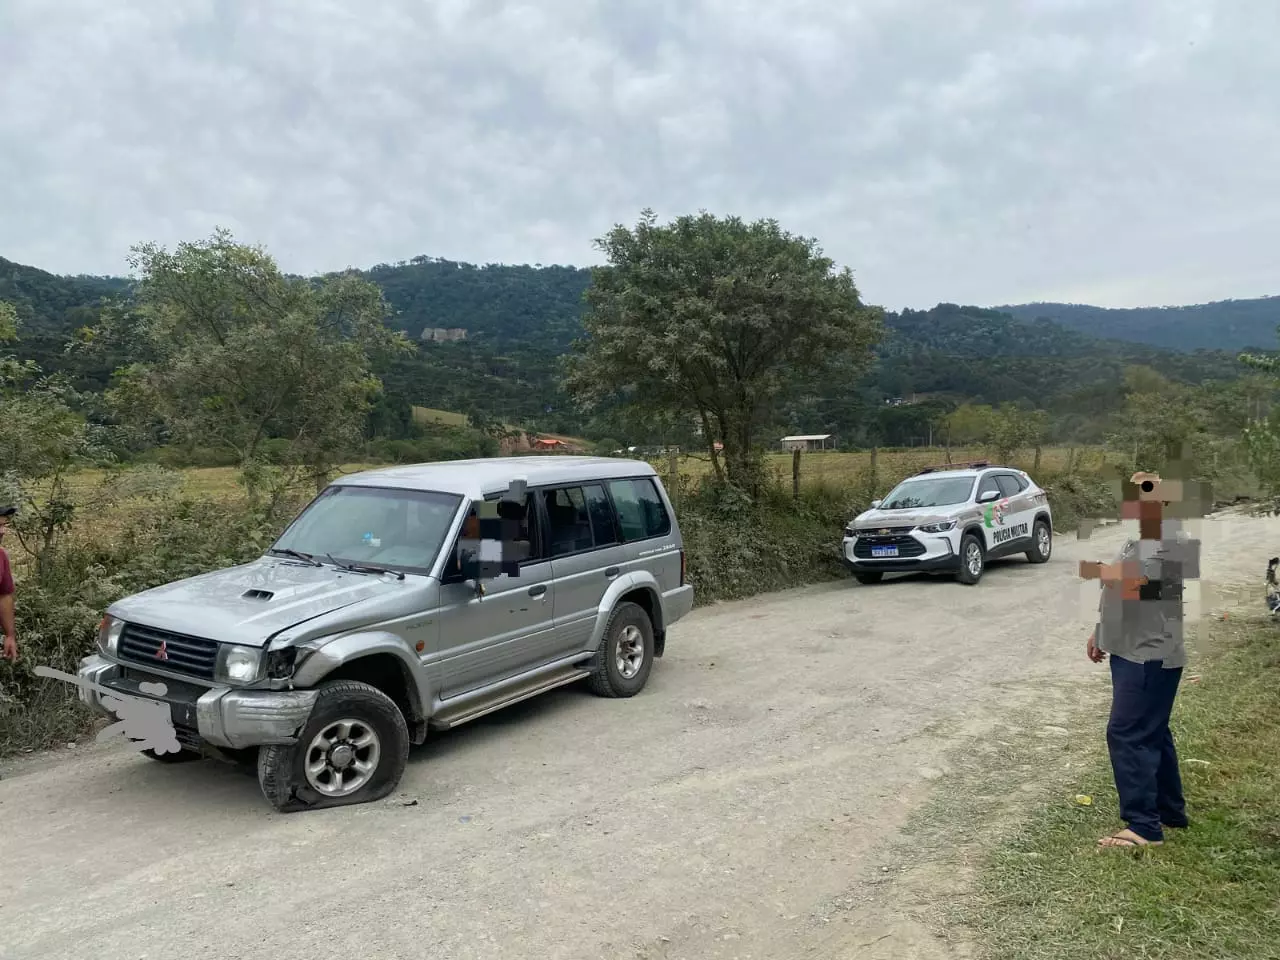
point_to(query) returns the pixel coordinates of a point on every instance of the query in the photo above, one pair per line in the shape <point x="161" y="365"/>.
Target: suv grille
<point x="889" y="531"/>
<point x="907" y="546"/>
<point x="192" y="655"/>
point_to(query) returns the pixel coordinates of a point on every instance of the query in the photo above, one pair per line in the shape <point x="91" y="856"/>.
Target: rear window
<point x="1009" y="485"/>
<point x="641" y="513"/>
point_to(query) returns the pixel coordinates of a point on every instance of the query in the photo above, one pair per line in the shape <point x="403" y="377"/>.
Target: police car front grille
<point x="182" y="654"/>
<point x="907" y="546"/>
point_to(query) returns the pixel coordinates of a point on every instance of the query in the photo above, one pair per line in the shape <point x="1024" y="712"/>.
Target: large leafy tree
<point x="231" y="352"/>
<point x="716" y="319"/>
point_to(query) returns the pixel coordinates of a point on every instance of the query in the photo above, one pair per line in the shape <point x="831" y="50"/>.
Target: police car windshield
<point x="400" y="530"/>
<point x="935" y="492"/>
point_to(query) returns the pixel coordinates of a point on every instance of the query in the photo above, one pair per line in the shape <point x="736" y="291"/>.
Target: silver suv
<point x="951" y="519"/>
<point x="399" y="601"/>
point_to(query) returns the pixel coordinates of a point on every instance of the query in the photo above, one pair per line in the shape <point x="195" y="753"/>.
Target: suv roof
<point x="969" y="470"/>
<point x="478" y="478"/>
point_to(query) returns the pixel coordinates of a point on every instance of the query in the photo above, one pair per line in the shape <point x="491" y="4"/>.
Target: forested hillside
<point x="1236" y="325"/>
<point x="519" y="319"/>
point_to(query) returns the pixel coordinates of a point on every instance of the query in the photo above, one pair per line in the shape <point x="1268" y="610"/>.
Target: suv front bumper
<point x="916" y="552"/>
<point x="222" y="716"/>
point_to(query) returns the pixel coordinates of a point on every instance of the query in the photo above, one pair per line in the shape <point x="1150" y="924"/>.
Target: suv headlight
<point x="109" y="635"/>
<point x="238" y="664"/>
<point x="940" y="527"/>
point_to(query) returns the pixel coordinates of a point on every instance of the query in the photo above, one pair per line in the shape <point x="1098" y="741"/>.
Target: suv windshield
<point x="936" y="492"/>
<point x="401" y="530"/>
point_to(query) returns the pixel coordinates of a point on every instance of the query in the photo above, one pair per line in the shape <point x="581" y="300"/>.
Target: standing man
<point x="7" y="589"/>
<point x="1140" y="626"/>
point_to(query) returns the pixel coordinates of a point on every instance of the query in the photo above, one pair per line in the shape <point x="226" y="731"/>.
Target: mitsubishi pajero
<point x="399" y="601"/>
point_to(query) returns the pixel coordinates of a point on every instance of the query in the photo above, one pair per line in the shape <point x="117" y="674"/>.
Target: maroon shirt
<point x="6" y="575"/>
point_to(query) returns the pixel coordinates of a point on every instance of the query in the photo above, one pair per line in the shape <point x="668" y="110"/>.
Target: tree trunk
<point x="795" y="474"/>
<point x="875" y="467"/>
<point x="1036" y="468"/>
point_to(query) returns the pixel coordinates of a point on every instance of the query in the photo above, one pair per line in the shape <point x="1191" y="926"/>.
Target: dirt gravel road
<point x="742" y="806"/>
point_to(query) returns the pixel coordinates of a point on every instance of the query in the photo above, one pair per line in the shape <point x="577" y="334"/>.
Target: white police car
<point x="953" y="520"/>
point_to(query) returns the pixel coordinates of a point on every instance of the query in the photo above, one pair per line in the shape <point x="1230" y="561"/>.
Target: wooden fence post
<point x="875" y="475"/>
<point x="673" y="470"/>
<point x="795" y="474"/>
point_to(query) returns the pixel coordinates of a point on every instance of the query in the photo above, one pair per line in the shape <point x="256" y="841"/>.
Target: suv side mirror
<point x="876" y="503"/>
<point x="988" y="496"/>
<point x="517" y="491"/>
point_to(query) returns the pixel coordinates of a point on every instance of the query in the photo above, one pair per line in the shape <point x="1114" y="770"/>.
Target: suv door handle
<point x="538" y="590"/>
<point x="612" y="572"/>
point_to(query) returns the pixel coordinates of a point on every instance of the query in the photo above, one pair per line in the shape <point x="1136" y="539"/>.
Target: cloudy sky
<point x="1120" y="152"/>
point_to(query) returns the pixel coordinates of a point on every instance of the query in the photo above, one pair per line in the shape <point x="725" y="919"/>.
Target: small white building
<point x="807" y="441"/>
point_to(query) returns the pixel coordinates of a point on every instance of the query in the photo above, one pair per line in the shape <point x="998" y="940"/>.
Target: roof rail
<point x="971" y="465"/>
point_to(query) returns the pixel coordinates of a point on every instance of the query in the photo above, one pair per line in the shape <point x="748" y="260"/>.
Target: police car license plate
<point x="884" y="551"/>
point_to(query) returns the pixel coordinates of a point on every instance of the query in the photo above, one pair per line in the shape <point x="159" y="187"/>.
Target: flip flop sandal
<point x="1116" y="841"/>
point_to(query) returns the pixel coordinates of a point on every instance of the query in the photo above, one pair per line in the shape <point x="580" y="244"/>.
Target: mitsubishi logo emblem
<point x="163" y="652"/>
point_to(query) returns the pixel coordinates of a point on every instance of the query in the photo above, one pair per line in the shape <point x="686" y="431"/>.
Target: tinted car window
<point x="1008" y="484"/>
<point x="988" y="485"/>
<point x="569" y="521"/>
<point x="600" y="512"/>
<point x="641" y="512"/>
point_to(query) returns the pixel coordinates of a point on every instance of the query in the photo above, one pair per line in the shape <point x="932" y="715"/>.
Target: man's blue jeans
<point x="1143" y="757"/>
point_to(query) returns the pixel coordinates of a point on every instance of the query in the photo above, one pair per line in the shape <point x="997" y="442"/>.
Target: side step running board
<point x="531" y="688"/>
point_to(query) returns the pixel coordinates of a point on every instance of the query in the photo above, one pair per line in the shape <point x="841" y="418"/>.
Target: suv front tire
<point x="973" y="559"/>
<point x="353" y="749"/>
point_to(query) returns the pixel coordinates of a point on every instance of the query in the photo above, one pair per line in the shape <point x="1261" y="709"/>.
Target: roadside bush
<point x="1079" y="496"/>
<point x="737" y="546"/>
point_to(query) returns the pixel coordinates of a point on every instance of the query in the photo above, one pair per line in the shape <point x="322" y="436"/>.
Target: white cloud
<point x="980" y="153"/>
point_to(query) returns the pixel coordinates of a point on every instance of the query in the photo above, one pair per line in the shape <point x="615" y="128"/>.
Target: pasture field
<point x="839" y="468"/>
<point x="446" y="417"/>
<point x="829" y="468"/>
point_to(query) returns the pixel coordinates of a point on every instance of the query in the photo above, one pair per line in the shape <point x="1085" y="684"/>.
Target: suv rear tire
<point x="870" y="576"/>
<point x="624" y="659"/>
<point x="973" y="559"/>
<point x="351" y="722"/>
<point x="1043" y="548"/>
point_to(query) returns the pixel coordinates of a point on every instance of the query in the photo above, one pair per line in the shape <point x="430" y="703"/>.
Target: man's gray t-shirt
<point x="1150" y="628"/>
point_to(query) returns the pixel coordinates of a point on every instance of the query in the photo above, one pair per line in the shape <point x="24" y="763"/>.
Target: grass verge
<point x="1213" y="891"/>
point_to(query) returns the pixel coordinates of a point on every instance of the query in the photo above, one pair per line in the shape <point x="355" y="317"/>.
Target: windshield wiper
<point x="298" y="555"/>
<point x="362" y="567"/>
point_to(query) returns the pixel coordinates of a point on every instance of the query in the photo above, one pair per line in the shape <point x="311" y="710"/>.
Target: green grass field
<point x="446" y="417"/>
<point x="1212" y="891"/>
<point x="840" y="467"/>
<point x="828" y="468"/>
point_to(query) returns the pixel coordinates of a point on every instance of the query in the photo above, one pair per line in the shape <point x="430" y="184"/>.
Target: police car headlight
<point x="849" y="531"/>
<point x="239" y="664"/>
<point x="941" y="527"/>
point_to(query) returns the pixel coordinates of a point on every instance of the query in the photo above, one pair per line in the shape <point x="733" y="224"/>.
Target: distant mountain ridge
<point x="519" y="319"/>
<point x="1222" y="325"/>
